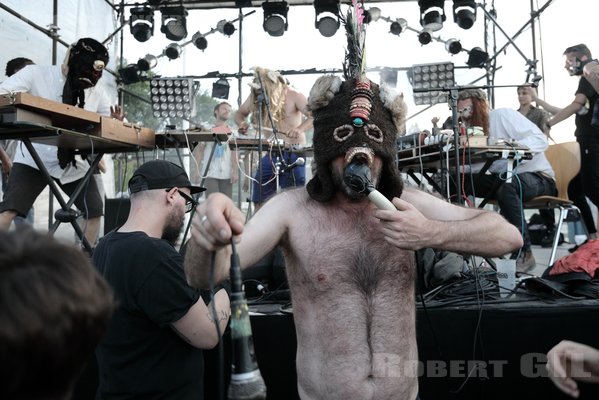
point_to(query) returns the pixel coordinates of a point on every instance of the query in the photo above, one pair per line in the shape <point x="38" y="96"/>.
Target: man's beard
<point x="173" y="227"/>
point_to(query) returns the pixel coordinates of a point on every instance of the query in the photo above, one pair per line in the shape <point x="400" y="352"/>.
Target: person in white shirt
<point x="72" y="83"/>
<point x="530" y="178"/>
<point x="223" y="171"/>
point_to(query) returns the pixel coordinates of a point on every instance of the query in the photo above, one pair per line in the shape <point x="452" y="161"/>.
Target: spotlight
<point x="220" y="89"/>
<point x="425" y="36"/>
<point x="172" y="97"/>
<point x="398" y="26"/>
<point x="432" y="14"/>
<point x="477" y="58"/>
<point x="147" y="63"/>
<point x="464" y="13"/>
<point x="174" y="24"/>
<point x="434" y="77"/>
<point x="326" y="19"/>
<point x="173" y="51"/>
<point x="453" y="46"/>
<point x="199" y="41"/>
<point x="275" y="17"/>
<point x="372" y="15"/>
<point x="142" y="23"/>
<point x="225" y="27"/>
<point x="129" y="74"/>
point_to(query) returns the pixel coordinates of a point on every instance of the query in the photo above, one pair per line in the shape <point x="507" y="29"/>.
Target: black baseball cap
<point x="160" y="174"/>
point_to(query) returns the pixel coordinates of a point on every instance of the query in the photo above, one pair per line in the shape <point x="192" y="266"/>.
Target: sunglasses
<point x="190" y="203"/>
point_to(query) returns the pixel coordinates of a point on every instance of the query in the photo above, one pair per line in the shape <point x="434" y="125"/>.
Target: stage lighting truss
<point x="174" y="25"/>
<point x="436" y="77"/>
<point x="464" y="13"/>
<point x="172" y="97"/>
<point x="326" y="18"/>
<point x="275" y="17"/>
<point x="220" y="89"/>
<point x="142" y="23"/>
<point x="432" y="14"/>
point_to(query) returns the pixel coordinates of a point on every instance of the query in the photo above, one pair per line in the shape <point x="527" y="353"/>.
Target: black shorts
<point x="26" y="183"/>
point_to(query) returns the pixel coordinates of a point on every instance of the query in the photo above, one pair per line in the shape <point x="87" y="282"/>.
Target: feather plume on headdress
<point x="355" y="56"/>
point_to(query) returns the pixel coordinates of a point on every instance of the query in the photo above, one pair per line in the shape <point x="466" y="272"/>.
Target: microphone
<point x="299" y="161"/>
<point x="246" y="381"/>
<point x="357" y="177"/>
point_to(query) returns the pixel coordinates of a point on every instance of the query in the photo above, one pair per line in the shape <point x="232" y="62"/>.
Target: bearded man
<point x="350" y="266"/>
<point x="152" y="348"/>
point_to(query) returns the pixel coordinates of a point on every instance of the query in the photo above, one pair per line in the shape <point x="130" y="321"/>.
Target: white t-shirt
<point x="48" y="82"/>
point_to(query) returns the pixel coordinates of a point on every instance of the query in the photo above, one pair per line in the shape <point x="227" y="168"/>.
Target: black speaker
<point x="116" y="212"/>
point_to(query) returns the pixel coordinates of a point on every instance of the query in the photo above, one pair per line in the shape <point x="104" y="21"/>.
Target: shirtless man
<point x="350" y="265"/>
<point x="291" y="120"/>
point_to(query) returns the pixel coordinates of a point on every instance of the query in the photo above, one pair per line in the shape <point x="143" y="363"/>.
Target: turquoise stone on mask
<point x="358" y="122"/>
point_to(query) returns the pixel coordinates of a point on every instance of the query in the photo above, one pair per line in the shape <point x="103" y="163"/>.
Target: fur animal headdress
<point x="355" y="116"/>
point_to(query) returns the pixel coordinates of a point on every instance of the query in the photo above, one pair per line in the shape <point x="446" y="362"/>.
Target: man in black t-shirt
<point x="587" y="128"/>
<point x="152" y="346"/>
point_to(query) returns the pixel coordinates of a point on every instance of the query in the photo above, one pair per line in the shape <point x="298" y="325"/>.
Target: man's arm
<point x="422" y="220"/>
<point x="542" y="103"/>
<point x="197" y="327"/>
<point x="196" y="161"/>
<point x="217" y="221"/>
<point x="6" y="162"/>
<point x="242" y="114"/>
<point x="569" y="110"/>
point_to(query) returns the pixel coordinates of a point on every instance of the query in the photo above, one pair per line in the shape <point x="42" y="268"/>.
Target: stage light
<point x="174" y="25"/>
<point x="477" y="58"/>
<point x="326" y="18"/>
<point x="199" y="41"/>
<point x="425" y="36"/>
<point x="142" y="23"/>
<point x="225" y="27"/>
<point x="173" y="51"/>
<point x="453" y="46"/>
<point x="434" y="77"/>
<point x="432" y="14"/>
<point x="464" y="13"/>
<point x="155" y="3"/>
<point x="147" y="62"/>
<point x="372" y="15"/>
<point x="129" y="74"/>
<point x="220" y="89"/>
<point x="398" y="26"/>
<point x="275" y="17"/>
<point x="172" y="97"/>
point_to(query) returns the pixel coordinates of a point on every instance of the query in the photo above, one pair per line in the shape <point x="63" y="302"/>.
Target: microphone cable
<point x="220" y="381"/>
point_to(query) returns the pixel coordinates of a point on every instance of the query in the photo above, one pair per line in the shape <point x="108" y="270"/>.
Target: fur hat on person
<point x="355" y="118"/>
